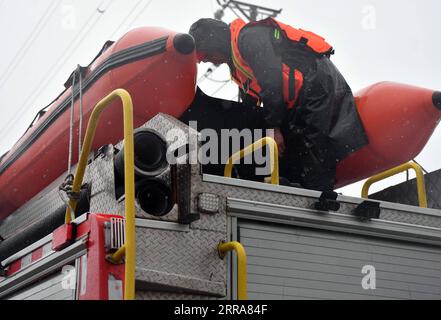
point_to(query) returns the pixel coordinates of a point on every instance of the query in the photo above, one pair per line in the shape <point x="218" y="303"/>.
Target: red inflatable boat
<point x="156" y="66"/>
<point x="399" y="120"/>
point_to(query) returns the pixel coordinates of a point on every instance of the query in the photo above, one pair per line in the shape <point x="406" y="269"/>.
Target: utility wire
<point x="220" y="88"/>
<point x="81" y="40"/>
<point x="42" y="23"/>
<point x="206" y="76"/>
<point x="125" y="19"/>
<point x="218" y="81"/>
<point x="54" y="69"/>
<point x="38" y="91"/>
<point x="209" y="71"/>
<point x="139" y="14"/>
<point x="132" y="22"/>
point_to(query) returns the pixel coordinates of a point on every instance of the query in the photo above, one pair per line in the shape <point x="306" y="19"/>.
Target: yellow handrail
<point x="223" y="248"/>
<point x="422" y="197"/>
<point x="129" y="174"/>
<point x="118" y="256"/>
<point x="274" y="158"/>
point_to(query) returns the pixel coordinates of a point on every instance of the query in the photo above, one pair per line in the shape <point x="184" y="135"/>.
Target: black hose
<point x="35" y="232"/>
<point x="41" y="228"/>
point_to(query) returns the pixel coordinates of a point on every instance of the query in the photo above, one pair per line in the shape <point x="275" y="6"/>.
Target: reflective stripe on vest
<point x="243" y="74"/>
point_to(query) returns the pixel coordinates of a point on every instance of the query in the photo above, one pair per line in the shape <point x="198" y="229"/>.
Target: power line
<point x="53" y="69"/>
<point x="209" y="71"/>
<point x="37" y="92"/>
<point x="126" y="17"/>
<point x="134" y="19"/>
<point x="218" y="81"/>
<point x="29" y="41"/>
<point x="220" y="88"/>
<point x="206" y="76"/>
<point x="139" y="14"/>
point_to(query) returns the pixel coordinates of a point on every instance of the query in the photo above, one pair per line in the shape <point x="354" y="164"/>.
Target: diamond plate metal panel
<point x="100" y="174"/>
<point x="185" y="260"/>
<point x="158" y="295"/>
<point x="217" y="222"/>
<point x="411" y="218"/>
<point x="404" y="214"/>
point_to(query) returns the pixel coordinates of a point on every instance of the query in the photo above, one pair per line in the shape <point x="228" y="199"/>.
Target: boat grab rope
<point x="80" y="126"/>
<point x="69" y="164"/>
<point x="67" y="185"/>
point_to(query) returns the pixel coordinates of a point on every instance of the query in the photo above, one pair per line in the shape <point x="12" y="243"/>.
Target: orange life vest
<point x="292" y="78"/>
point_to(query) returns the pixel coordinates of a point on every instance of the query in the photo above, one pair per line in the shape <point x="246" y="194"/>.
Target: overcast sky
<point x="377" y="40"/>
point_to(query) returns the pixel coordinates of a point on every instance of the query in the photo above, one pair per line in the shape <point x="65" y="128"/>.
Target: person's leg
<point x="311" y="163"/>
<point x="319" y="166"/>
<point x="291" y="162"/>
<point x="312" y="156"/>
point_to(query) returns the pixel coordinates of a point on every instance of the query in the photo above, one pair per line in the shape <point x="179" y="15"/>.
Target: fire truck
<point x="124" y="222"/>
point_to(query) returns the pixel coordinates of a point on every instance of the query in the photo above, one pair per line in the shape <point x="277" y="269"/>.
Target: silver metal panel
<point x="30" y="249"/>
<point x="100" y="174"/>
<point x="251" y="186"/>
<point x="47" y="289"/>
<point x="299" y="198"/>
<point x="287" y="262"/>
<point x="333" y="221"/>
<point x="167" y="295"/>
<point x="42" y="268"/>
<point x="185" y="261"/>
<point x="161" y="225"/>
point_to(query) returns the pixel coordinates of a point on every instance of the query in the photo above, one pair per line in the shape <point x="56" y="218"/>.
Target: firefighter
<point x="305" y="98"/>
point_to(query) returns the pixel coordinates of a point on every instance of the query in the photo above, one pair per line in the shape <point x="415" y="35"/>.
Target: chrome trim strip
<point x="42" y="268"/>
<point x="316" y="194"/>
<point x="27" y="250"/>
<point x="161" y="225"/>
<point x="258" y="211"/>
